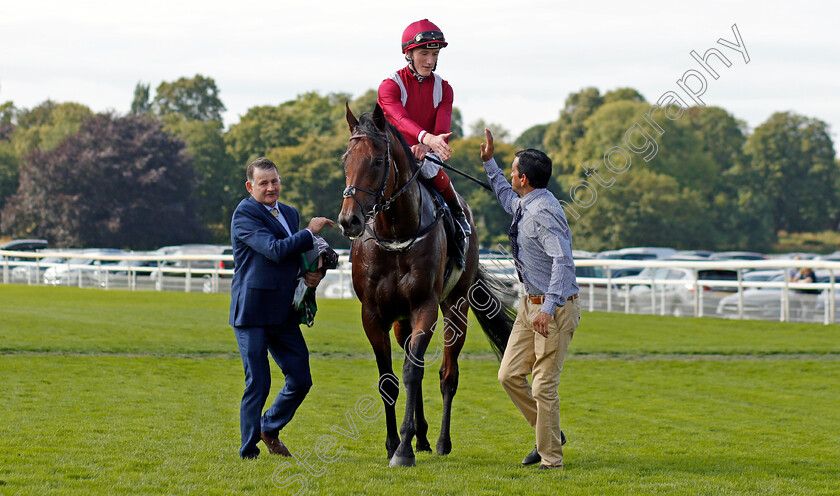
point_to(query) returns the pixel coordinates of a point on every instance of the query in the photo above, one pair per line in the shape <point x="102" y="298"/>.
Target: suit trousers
<point x="528" y="352"/>
<point x="288" y="348"/>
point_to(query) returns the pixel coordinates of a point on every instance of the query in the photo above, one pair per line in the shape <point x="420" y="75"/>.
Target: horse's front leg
<point x="402" y="332"/>
<point x="415" y="346"/>
<point x="389" y="386"/>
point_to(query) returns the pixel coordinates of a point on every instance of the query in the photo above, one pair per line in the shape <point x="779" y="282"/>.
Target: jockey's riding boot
<point x="458" y="215"/>
<point x="444" y="186"/>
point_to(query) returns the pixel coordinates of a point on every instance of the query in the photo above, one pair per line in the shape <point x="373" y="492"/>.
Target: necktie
<point x="275" y="213"/>
<point x="514" y="233"/>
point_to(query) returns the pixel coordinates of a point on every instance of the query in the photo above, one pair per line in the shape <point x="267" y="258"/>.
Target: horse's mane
<point x="368" y="128"/>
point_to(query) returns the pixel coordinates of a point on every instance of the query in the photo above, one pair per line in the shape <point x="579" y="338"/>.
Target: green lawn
<point x="137" y="393"/>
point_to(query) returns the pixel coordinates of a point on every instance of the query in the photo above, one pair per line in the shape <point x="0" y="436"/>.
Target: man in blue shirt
<point x="549" y="312"/>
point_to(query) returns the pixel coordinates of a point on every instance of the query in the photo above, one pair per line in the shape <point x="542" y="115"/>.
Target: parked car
<point x="25" y="245"/>
<point x="177" y="267"/>
<point x="737" y="255"/>
<point x="691" y="255"/>
<point x="766" y="303"/>
<point x="635" y="253"/>
<point x="677" y="298"/>
<point x="82" y="266"/>
<point x="11" y="261"/>
<point x="118" y="275"/>
<point x="31" y="271"/>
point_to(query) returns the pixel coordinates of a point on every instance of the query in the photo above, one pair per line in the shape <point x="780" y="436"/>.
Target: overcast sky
<point x="509" y="62"/>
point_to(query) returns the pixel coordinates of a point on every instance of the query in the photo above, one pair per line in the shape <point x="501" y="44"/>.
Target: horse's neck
<point x="403" y="218"/>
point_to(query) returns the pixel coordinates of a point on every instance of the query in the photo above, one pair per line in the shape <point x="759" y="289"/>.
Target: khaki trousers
<point x="530" y="353"/>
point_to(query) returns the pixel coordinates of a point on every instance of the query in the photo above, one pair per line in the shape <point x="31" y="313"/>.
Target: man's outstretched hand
<point x="439" y="145"/>
<point x="487" y="148"/>
<point x="318" y="223"/>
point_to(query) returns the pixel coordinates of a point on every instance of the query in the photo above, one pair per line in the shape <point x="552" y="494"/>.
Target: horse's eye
<point x="377" y="162"/>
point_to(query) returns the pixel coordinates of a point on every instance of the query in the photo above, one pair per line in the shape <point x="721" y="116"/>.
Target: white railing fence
<point x="731" y="298"/>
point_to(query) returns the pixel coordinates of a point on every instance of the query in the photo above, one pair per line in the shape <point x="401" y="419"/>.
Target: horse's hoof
<point x="402" y="461"/>
<point x="444" y="446"/>
<point x="424" y="446"/>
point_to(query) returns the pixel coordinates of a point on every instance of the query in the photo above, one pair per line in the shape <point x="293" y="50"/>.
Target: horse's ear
<point x="351" y="119"/>
<point x="379" y="118"/>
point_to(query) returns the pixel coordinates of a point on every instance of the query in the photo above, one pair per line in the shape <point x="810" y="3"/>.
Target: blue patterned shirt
<point x="545" y="261"/>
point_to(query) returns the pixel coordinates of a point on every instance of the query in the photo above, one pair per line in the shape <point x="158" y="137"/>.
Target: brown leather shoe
<point x="275" y="446"/>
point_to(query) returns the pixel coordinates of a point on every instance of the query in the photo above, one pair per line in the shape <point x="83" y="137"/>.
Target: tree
<point x="265" y="128"/>
<point x="562" y="135"/>
<point x="47" y="125"/>
<point x="678" y="151"/>
<point x="118" y="182"/>
<point x="8" y="114"/>
<point x="218" y="180"/>
<point x="532" y="137"/>
<point x="792" y="162"/>
<point x="196" y="99"/>
<point x="499" y="132"/>
<point x="457" y="127"/>
<point x="9" y="171"/>
<point x="644" y="208"/>
<point x="141" y="103"/>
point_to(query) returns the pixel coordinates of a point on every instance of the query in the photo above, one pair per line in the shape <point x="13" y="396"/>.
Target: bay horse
<point x="399" y="258"/>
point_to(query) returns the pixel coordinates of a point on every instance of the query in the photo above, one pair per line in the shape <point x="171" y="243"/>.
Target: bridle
<point x="380" y="204"/>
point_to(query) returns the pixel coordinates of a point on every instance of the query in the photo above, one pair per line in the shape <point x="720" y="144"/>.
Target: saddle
<point x="455" y="243"/>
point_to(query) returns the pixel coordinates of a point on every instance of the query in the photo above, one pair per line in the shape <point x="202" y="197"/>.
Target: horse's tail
<point x="489" y="302"/>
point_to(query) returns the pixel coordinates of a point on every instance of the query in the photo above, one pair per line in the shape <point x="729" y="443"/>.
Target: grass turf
<point x="146" y="402"/>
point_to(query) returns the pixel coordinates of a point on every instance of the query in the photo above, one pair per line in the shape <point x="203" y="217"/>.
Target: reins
<point x="383" y="205"/>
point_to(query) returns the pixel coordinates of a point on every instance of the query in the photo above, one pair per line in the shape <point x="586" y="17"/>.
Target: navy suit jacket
<point x="267" y="263"/>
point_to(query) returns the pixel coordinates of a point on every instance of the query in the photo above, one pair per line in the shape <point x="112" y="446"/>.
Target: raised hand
<point x="487" y="148"/>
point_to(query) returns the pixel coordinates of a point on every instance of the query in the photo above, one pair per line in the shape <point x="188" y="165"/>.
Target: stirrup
<point x="461" y="220"/>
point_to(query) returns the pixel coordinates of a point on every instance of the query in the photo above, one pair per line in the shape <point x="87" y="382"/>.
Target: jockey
<point x="419" y="103"/>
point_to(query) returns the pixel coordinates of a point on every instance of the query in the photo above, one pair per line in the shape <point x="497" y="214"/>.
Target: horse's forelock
<point x="368" y="128"/>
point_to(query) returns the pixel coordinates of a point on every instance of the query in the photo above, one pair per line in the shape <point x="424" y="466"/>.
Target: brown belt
<point x="539" y="300"/>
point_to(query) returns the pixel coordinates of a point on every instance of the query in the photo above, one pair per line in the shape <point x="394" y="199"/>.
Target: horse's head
<point x="367" y="169"/>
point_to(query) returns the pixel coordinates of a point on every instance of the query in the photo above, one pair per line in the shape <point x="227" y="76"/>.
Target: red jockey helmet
<point x="422" y="33"/>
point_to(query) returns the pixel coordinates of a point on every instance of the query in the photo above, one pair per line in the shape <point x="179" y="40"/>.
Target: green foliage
<point x="265" y="128"/>
<point x="9" y="171"/>
<point x="792" y="158"/>
<point x="8" y="114"/>
<point x="119" y="182"/>
<point x="813" y="242"/>
<point x="196" y="98"/>
<point x="218" y="185"/>
<point x="47" y="125"/>
<point x="457" y="124"/>
<point x="533" y="137"/>
<point x="500" y="134"/>
<point x="642" y="208"/>
<point x="142" y="103"/>
<point x="562" y="135"/>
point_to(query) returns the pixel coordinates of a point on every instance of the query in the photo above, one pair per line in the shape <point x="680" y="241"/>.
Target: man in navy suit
<point x="267" y="248"/>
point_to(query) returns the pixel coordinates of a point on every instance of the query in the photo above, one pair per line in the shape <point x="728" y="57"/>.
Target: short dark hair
<point x="536" y="165"/>
<point x="260" y="163"/>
